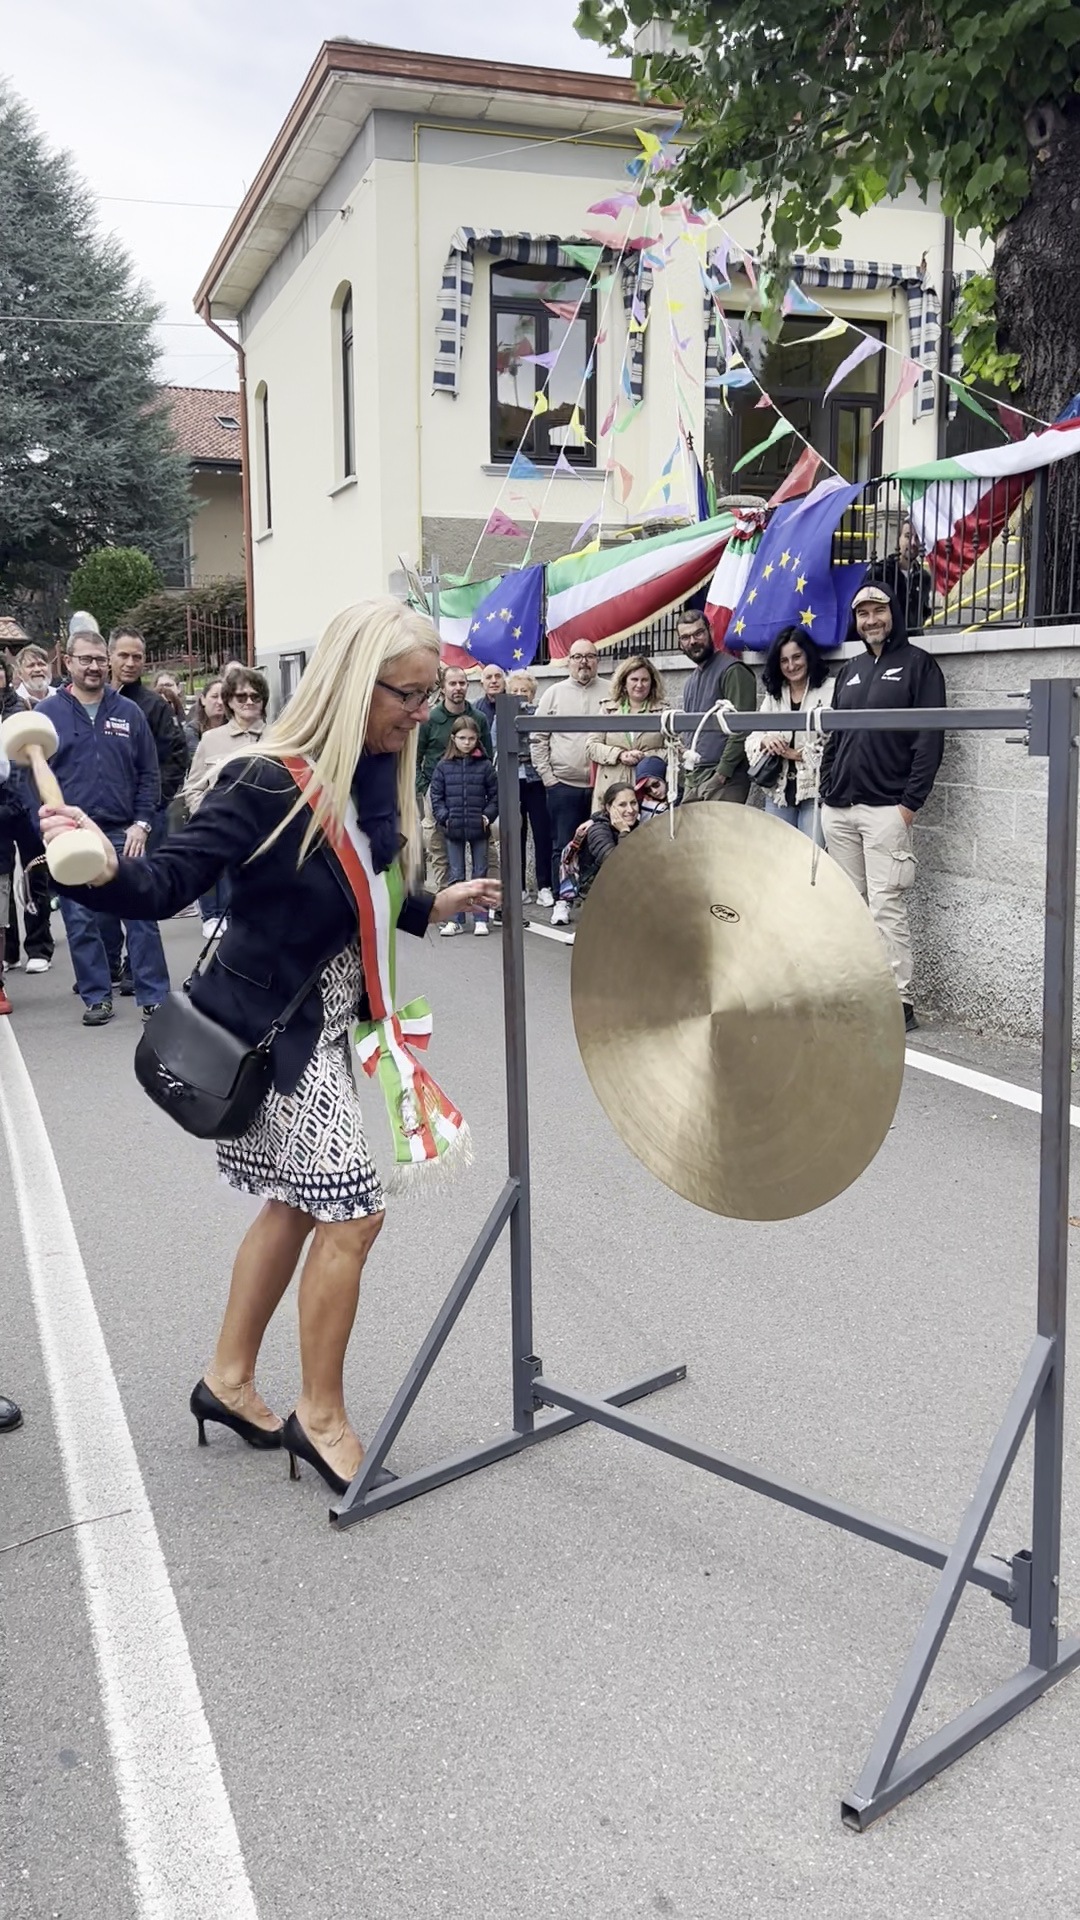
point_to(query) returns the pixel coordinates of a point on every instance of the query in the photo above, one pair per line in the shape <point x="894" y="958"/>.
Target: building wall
<point x="424" y="481"/>
<point x="216" y="535"/>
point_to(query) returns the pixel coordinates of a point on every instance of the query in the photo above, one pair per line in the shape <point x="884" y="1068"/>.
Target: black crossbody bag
<point x="211" y="1083"/>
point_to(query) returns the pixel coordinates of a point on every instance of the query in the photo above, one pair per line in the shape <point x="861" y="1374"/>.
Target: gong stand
<point x="1028" y="1583"/>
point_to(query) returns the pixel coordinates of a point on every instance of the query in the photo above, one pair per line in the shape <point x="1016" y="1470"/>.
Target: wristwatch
<point x="143" y="825"/>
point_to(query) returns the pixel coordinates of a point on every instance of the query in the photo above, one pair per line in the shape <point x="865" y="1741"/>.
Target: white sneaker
<point x="545" y="897"/>
<point x="38" y="965"/>
<point x="560" y="914"/>
<point x="449" y="929"/>
<point x="209" y="928"/>
<point x="481" y="927"/>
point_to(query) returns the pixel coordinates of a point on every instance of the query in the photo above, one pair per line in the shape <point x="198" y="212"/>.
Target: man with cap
<point x="873" y="784"/>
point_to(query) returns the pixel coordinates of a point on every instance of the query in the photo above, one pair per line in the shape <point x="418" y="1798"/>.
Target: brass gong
<point x="740" y="1027"/>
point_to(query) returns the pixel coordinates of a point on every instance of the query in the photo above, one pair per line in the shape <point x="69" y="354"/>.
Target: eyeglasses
<point x="86" y="660"/>
<point x="247" y="699"/>
<point x="411" y="701"/>
<point x="588" y="657"/>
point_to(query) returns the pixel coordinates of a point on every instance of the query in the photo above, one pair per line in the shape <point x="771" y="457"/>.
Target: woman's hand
<point x="467" y="897"/>
<point x="630" y="756"/>
<point x="57" y="820"/>
<point x="777" y="743"/>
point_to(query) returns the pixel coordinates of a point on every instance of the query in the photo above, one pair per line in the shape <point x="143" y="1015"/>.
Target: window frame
<point x="262" y="458"/>
<point x="785" y="397"/>
<point x="348" y="420"/>
<point x="544" y="454"/>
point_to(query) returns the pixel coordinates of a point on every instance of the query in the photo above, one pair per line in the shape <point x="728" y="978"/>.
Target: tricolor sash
<point x="428" y="1131"/>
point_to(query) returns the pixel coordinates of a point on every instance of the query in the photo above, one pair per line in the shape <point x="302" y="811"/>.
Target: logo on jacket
<point x="115" y="725"/>
<point x="893" y="673"/>
<point x="855" y="681"/>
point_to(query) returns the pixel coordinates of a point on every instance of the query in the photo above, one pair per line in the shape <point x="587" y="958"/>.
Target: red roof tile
<point x="197" y="413"/>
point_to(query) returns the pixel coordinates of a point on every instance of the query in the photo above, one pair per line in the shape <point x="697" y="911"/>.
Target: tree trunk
<point x="1037" y="267"/>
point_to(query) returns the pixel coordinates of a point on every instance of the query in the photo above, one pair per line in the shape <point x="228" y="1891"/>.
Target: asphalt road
<point x="589" y="1682"/>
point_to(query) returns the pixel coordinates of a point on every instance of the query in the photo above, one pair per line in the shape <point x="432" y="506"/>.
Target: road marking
<point x="550" y="933"/>
<point x="982" y="1082"/>
<point x="181" y="1838"/>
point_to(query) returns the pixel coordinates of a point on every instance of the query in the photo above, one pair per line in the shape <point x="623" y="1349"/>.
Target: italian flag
<point x="729" y="581"/>
<point x="604" y="596"/>
<point x="457" y="604"/>
<point x="958" y="507"/>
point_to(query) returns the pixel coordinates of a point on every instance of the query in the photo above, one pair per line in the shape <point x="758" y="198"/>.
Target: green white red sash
<point x="428" y="1131"/>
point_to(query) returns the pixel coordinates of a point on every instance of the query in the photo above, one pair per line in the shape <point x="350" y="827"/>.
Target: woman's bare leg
<point x="265" y="1263"/>
<point x="329" y="1288"/>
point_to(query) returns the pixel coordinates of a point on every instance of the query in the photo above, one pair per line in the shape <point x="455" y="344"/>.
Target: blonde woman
<point x="636" y="690"/>
<point x="533" y="800"/>
<point x="294" y="918"/>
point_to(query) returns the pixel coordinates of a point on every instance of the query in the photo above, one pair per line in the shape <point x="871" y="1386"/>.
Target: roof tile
<point x="197" y="413"/>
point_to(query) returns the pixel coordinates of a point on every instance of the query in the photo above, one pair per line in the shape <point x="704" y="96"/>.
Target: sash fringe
<point x="409" y="1178"/>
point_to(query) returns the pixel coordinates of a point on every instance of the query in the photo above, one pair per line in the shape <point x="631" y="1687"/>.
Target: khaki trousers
<point x="438" y="864"/>
<point x="873" y="846"/>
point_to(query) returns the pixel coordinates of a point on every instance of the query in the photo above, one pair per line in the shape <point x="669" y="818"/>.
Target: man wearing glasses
<point x="107" y="764"/>
<point x="562" y="761"/>
<point x="430" y="747"/>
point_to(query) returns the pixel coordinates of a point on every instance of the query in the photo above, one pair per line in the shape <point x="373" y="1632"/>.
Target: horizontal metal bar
<point x="913" y="1769"/>
<point x="993" y="1574"/>
<point x="833" y="720"/>
<point x="458" y="1465"/>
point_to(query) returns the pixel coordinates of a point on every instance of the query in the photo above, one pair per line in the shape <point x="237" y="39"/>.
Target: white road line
<point x="549" y="933"/>
<point x="182" y="1842"/>
<point x="982" y="1083"/>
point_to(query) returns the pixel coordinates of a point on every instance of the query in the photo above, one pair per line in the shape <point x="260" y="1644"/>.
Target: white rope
<point x="813" y="725"/>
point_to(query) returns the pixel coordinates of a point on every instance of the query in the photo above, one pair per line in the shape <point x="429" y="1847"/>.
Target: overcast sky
<point x="179" y="100"/>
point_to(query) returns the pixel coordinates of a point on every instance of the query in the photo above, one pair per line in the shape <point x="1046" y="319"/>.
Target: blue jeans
<point x="213" y="904"/>
<point x="801" y="816"/>
<point x="567" y="808"/>
<point x="455" y="854"/>
<point x="86" y="944"/>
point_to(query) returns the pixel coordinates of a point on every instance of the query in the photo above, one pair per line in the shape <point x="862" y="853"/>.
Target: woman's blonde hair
<point x="622" y="674"/>
<point x="515" y="684"/>
<point x="326" y="719"/>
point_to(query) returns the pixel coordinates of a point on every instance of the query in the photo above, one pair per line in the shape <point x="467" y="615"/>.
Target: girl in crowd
<point x="795" y="678"/>
<point x="296" y="930"/>
<point x="636" y="690"/>
<point x="650" y="785"/>
<point x="244" y="694"/>
<point x="465" y="801"/>
<point x="534" y="811"/>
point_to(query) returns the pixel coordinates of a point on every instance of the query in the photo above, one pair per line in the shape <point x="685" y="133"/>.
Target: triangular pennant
<point x="779" y="432"/>
<point x="499" y="522"/>
<point x="910" y="375"/>
<point x="522" y="468"/>
<point x="540" y="404"/>
<point x="867" y="346"/>
<point x="629" y="415"/>
<point x="624" y="483"/>
<point x="563" y="465"/>
<point x="832" y="332"/>
<point x="605" y="424"/>
<point x="587" y="257"/>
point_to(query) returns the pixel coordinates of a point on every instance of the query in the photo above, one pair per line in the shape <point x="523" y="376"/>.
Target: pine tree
<point x="86" y="452"/>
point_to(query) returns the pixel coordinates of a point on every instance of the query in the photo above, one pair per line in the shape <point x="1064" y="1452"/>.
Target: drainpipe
<point x="945" y="338"/>
<point x="245" y="475"/>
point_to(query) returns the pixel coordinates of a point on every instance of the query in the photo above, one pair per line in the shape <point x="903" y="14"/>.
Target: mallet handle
<point x="45" y="779"/>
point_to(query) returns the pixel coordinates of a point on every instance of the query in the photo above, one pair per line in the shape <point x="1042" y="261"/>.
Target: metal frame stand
<point x="1029" y="1582"/>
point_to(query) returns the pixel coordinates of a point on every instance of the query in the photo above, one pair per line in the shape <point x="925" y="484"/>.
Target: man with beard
<point x="722" y="771"/>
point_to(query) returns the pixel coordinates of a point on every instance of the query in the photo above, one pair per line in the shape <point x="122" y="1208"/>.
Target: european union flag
<point x="505" y="629"/>
<point x="793" y="582"/>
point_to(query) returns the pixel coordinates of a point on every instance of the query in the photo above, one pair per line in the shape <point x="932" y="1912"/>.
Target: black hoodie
<point x="884" y="769"/>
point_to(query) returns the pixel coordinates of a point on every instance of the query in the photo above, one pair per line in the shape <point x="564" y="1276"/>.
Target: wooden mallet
<point x="75" y="858"/>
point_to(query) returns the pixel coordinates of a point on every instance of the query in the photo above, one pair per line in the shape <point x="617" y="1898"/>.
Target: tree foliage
<point x="217" y="629"/>
<point x="110" y="581"/>
<point x="86" y="451"/>
<point x="814" y="106"/>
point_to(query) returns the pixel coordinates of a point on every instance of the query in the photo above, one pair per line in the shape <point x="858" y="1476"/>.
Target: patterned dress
<point x="307" y="1148"/>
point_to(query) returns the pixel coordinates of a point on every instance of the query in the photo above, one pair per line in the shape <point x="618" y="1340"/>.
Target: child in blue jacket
<point x="465" y="801"/>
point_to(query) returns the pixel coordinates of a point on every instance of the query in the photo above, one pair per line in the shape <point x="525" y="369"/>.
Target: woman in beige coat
<point x="636" y="690"/>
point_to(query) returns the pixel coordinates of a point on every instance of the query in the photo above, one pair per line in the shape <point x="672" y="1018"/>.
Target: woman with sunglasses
<point x="317" y="824"/>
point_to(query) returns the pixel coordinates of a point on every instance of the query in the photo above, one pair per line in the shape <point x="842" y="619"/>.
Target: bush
<point x="218" y="627"/>
<point x="110" y="581"/>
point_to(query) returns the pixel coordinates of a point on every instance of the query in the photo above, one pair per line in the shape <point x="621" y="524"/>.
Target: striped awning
<point x="854" y="276"/>
<point x="525" y="249"/>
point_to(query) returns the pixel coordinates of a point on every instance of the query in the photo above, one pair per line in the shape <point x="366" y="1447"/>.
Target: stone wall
<point x="977" y="907"/>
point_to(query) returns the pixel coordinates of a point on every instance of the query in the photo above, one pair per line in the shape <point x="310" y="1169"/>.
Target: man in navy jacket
<point x="107" y="764"/>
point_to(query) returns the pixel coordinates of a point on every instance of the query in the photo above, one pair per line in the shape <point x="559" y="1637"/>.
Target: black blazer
<point x="284" y="923"/>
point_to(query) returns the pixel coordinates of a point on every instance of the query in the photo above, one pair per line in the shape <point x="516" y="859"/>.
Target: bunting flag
<point x="729" y="581"/>
<point x="522" y="468"/>
<point x="958" y="507"/>
<point x="613" y="206"/>
<point x="910" y="375"/>
<point x="779" y="432"/>
<point x="799" y="480"/>
<point x="499" y="522"/>
<point x="457" y="606"/>
<point x="832" y="332"/>
<point x="587" y="257"/>
<point x="563" y="309"/>
<point x="604" y="595"/>
<point x="867" y="346"/>
<point x="606" y="423"/>
<point x="565" y="466"/>
<point x="624" y="482"/>
<point x="540" y="404"/>
<point x="796" y="301"/>
<point x="540" y="359"/>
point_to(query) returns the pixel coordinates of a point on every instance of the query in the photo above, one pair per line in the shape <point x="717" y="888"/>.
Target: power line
<point x="80" y="320"/>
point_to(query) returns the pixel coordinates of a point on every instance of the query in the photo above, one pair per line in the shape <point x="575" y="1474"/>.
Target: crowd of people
<point x="139" y="759"/>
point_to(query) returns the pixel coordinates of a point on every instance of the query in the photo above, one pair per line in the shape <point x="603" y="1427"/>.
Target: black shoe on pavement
<point x="127" y="986"/>
<point x="96" y="1016"/>
<point x="147" y="1011"/>
<point x="911" y="1025"/>
<point x="10" y="1415"/>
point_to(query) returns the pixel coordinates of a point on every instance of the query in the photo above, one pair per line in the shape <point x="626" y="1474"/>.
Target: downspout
<point x="945" y="337"/>
<point x="245" y="475"/>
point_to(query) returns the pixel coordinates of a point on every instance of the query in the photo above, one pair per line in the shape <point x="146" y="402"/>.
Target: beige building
<point x="206" y="422"/>
<point x="396" y="262"/>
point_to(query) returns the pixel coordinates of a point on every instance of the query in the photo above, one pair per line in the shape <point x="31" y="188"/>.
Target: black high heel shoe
<point x="206" y="1406"/>
<point x="299" y="1447"/>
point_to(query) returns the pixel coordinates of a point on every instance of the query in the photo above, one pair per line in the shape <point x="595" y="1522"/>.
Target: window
<point x="795" y="372"/>
<point x="227" y="421"/>
<point x="522" y="324"/>
<point x="262" y="457"/>
<point x="347" y="437"/>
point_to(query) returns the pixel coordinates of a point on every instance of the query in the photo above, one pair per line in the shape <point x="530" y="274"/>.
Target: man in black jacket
<point x="873" y="784"/>
<point x="127" y="658"/>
